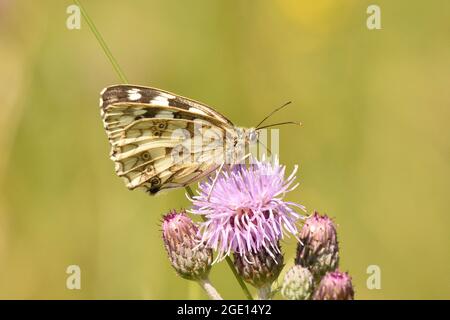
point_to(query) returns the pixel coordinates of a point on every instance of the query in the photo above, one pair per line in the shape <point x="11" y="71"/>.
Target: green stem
<point x="102" y="43"/>
<point x="124" y="79"/>
<point x="239" y="279"/>
<point x="189" y="191"/>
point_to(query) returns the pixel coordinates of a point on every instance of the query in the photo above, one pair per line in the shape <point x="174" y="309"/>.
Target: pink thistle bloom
<point x="246" y="211"/>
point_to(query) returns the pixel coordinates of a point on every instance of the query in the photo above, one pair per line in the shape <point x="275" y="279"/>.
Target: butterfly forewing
<point x="143" y="126"/>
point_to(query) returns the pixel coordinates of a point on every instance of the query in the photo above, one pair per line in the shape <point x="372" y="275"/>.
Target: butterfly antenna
<point x="280" y="124"/>
<point x="270" y="114"/>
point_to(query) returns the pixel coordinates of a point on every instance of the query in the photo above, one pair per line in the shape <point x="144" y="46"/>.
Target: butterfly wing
<point x="146" y="127"/>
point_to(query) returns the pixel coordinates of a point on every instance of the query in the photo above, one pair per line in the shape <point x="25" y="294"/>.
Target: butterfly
<point x="160" y="140"/>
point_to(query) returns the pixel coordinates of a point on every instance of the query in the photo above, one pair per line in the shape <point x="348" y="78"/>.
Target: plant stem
<point x="264" y="293"/>
<point x="209" y="289"/>
<point x="239" y="279"/>
<point x="102" y="43"/>
<point x="189" y="191"/>
<point x="124" y="79"/>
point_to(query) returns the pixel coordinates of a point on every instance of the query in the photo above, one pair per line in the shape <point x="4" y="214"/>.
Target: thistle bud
<point x="318" y="250"/>
<point x="335" y="286"/>
<point x="297" y="284"/>
<point x="259" y="269"/>
<point x="190" y="259"/>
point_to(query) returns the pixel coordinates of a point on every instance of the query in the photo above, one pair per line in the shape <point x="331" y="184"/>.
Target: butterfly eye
<point x="161" y="126"/>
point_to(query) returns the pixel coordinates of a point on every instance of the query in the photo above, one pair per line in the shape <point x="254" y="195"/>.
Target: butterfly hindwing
<point x="141" y="124"/>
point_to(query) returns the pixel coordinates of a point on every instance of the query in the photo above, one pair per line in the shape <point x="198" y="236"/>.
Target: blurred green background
<point x="373" y="150"/>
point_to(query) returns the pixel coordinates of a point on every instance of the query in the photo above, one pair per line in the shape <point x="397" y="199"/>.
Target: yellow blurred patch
<point x="319" y="15"/>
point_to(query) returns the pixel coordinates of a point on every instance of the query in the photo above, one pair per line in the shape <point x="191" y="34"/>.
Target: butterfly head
<point x="243" y="138"/>
<point x="246" y="136"/>
<point x="252" y="135"/>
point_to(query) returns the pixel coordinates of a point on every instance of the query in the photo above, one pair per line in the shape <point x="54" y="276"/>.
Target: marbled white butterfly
<point x="160" y="140"/>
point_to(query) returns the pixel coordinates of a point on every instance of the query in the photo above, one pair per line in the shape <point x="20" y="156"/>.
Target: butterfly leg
<point x="265" y="147"/>
<point x="215" y="179"/>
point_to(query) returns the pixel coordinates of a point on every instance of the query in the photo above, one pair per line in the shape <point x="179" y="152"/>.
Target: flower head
<point x="259" y="269"/>
<point x="318" y="249"/>
<point x="335" y="285"/>
<point x="189" y="259"/>
<point x="298" y="283"/>
<point x="245" y="210"/>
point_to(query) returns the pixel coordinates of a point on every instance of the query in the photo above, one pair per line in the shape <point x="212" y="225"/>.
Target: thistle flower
<point x="297" y="284"/>
<point x="335" y="286"/>
<point x="245" y="211"/>
<point x="190" y="259"/>
<point x="318" y="249"/>
<point x="259" y="269"/>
